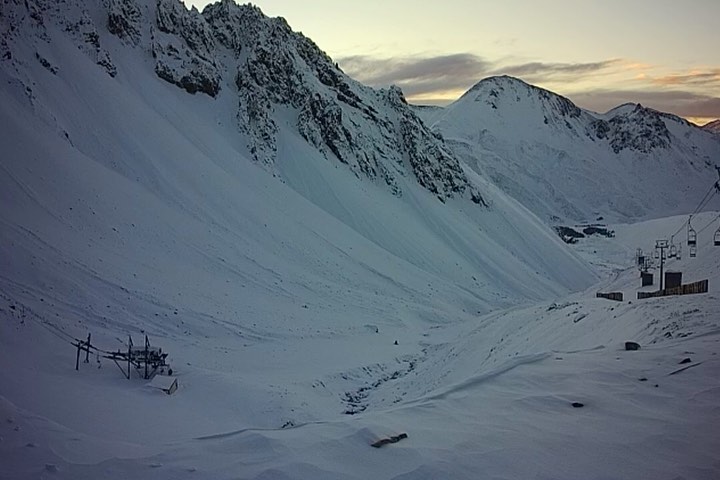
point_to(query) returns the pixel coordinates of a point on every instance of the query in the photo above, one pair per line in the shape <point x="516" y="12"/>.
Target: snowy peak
<point x="509" y="100"/>
<point x="712" y="127"/>
<point x="620" y="109"/>
<point x="515" y="102"/>
<point x="502" y="91"/>
<point x="550" y="154"/>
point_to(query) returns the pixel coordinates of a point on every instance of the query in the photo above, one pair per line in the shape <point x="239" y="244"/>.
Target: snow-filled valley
<point x="323" y="269"/>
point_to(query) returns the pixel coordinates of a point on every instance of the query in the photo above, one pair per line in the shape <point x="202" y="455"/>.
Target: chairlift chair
<point x="692" y="236"/>
<point x="693" y="251"/>
<point x="673" y="251"/>
<point x="716" y="238"/>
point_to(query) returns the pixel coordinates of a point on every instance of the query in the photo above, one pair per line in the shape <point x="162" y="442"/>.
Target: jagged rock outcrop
<point x="184" y="47"/>
<point x="255" y="121"/>
<point x="89" y="42"/>
<point x="367" y="130"/>
<point x="434" y="167"/>
<point x="640" y="129"/>
<point x="39" y="15"/>
<point x="124" y="20"/>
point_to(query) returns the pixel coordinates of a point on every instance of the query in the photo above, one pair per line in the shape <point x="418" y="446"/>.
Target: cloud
<point x="418" y="75"/>
<point x="439" y="79"/>
<point x="434" y="78"/>
<point x="709" y="77"/>
<point x="547" y="71"/>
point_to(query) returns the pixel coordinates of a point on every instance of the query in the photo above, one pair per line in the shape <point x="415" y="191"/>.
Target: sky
<point x="664" y="54"/>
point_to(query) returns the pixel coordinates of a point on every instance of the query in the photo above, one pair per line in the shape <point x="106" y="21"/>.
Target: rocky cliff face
<point x="276" y="77"/>
<point x="632" y="127"/>
<point x="19" y="18"/>
<point x="374" y="133"/>
<point x="184" y="48"/>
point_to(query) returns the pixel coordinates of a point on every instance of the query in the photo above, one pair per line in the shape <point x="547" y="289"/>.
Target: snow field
<point x="309" y="312"/>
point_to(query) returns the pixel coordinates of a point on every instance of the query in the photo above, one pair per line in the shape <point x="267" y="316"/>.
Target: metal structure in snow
<point x="146" y="359"/>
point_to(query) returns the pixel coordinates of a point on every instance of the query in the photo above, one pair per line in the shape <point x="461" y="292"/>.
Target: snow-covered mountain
<point x="214" y="128"/>
<point x="323" y="270"/>
<point x="279" y="80"/>
<point x="713" y="127"/>
<point x="213" y="180"/>
<point x="566" y="163"/>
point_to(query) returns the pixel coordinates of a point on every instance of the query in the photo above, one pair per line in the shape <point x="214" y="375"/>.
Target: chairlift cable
<point x="709" y="224"/>
<point x="706" y="198"/>
<point x="706" y="202"/>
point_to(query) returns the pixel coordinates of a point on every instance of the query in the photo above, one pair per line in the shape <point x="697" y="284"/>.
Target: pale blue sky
<point x="663" y="53"/>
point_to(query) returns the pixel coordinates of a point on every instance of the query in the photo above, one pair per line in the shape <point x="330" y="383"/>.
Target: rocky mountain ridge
<point x="279" y="78"/>
<point x="564" y="162"/>
<point x="713" y="127"/>
<point x="280" y="83"/>
<point x="629" y="126"/>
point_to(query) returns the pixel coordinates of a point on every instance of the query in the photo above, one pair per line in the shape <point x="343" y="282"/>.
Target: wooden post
<point x="77" y="358"/>
<point x="87" y="350"/>
<point x="147" y="353"/>
<point x="129" y="354"/>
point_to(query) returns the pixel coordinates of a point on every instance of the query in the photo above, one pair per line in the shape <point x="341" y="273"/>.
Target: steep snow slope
<point x="130" y="205"/>
<point x="565" y="163"/>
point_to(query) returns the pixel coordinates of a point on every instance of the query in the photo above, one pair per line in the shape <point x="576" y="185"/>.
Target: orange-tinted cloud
<point x="548" y="71"/>
<point x="440" y="79"/>
<point x="418" y="75"/>
<point x="696" y="77"/>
